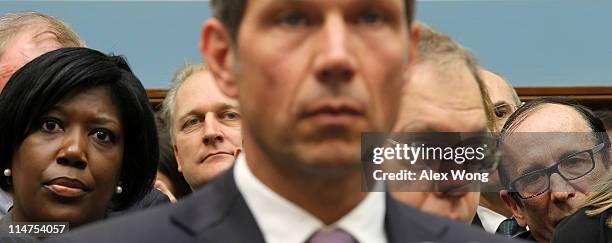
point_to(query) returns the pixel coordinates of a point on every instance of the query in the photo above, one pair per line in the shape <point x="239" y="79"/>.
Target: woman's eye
<point x="51" y="126"/>
<point x="103" y="136"/>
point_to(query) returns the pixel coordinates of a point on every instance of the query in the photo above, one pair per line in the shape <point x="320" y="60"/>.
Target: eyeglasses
<point x="569" y="168"/>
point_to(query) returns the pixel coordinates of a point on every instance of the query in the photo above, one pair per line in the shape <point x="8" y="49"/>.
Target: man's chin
<point x="331" y="154"/>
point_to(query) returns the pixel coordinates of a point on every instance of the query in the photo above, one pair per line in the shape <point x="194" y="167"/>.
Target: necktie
<point x="331" y="236"/>
<point x="508" y="227"/>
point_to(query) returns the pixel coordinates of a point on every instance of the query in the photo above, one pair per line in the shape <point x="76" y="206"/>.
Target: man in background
<point x="204" y="125"/>
<point x="444" y="94"/>
<point x="553" y="151"/>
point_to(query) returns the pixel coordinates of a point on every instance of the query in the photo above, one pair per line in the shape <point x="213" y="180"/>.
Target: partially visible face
<point x="542" y="139"/>
<point x="68" y="167"/>
<point x="165" y="185"/>
<point x="313" y="75"/>
<point x="206" y="127"/>
<point x="501" y="96"/>
<point x="24" y="46"/>
<point x="435" y="103"/>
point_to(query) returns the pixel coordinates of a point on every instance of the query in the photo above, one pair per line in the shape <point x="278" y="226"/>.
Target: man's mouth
<point x="333" y="112"/>
<point x="210" y="155"/>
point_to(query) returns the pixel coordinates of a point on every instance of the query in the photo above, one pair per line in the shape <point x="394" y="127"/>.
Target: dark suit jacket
<point x="152" y="199"/>
<point x="580" y="227"/>
<point x="218" y="213"/>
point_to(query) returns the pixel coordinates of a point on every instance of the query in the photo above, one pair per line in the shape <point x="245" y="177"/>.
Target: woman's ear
<point x="217" y="49"/>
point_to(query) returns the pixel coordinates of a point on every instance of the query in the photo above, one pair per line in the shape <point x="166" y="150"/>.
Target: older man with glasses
<point x="553" y="150"/>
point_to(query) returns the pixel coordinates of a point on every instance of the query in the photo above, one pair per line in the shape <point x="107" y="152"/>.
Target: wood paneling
<point x="593" y="97"/>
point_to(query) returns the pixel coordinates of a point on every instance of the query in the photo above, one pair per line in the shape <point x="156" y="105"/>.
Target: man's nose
<point x="334" y="62"/>
<point x="561" y="190"/>
<point x="212" y="131"/>
<point x="73" y="149"/>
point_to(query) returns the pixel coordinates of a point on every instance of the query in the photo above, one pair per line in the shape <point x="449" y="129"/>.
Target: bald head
<point x="504" y="97"/>
<point x="25" y="36"/>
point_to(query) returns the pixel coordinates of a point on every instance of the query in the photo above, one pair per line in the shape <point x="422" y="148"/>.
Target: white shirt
<point x="281" y="221"/>
<point x="489" y="218"/>
<point x="6" y="202"/>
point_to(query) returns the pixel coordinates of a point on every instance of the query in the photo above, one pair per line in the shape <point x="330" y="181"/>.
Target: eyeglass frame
<point x="555" y="169"/>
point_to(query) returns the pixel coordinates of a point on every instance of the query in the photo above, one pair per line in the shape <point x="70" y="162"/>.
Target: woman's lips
<point x="66" y="187"/>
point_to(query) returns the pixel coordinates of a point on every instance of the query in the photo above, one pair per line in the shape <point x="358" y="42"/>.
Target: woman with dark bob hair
<point x="76" y="132"/>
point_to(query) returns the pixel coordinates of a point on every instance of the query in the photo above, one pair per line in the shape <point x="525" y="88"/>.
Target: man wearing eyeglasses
<point x="554" y="149"/>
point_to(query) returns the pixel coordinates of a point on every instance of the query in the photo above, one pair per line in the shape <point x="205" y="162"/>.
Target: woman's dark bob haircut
<point x="39" y="85"/>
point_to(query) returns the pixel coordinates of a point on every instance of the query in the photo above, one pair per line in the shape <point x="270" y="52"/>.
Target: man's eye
<point x="51" y="125"/>
<point x="103" y="135"/>
<point x="501" y="111"/>
<point x="370" y="18"/>
<point x="231" y="116"/>
<point x="191" y="122"/>
<point x="293" y="20"/>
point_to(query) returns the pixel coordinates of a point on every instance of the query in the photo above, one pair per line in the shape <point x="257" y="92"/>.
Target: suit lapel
<point x="218" y="213"/>
<point x="407" y="224"/>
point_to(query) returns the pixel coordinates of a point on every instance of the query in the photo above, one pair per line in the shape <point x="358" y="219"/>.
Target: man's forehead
<point x="443" y="102"/>
<point x="499" y="90"/>
<point x="200" y="90"/>
<point x="454" y="87"/>
<point x="326" y="2"/>
<point x="552" y="118"/>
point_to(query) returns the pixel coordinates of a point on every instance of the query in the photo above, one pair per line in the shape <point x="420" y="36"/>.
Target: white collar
<point x="490" y="219"/>
<point x="282" y="221"/>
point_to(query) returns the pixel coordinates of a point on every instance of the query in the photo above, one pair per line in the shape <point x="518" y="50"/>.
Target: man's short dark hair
<point x="230" y="13"/>
<point x="606" y="117"/>
<point x="39" y="85"/>
<point x="531" y="106"/>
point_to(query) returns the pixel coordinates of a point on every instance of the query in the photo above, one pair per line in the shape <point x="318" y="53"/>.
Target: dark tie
<point x="508" y="227"/>
<point x="331" y="236"/>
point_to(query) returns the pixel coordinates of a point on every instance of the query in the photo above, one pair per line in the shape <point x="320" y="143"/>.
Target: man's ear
<point x="413" y="48"/>
<point x="218" y="52"/>
<point x="178" y="160"/>
<point x="517" y="212"/>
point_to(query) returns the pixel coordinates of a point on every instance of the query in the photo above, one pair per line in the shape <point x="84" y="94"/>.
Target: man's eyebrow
<point x="569" y="153"/>
<point x="500" y="103"/>
<point x="43" y="33"/>
<point x="530" y="168"/>
<point x="193" y="112"/>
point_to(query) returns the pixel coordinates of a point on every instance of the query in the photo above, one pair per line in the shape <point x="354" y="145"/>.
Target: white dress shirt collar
<point x="489" y="218"/>
<point x="281" y="221"/>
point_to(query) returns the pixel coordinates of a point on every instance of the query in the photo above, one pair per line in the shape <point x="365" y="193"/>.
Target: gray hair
<point x="169" y="103"/>
<point x="445" y="53"/>
<point x="13" y="23"/>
